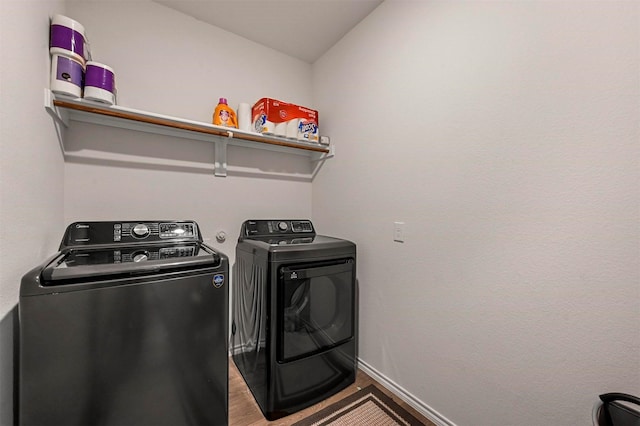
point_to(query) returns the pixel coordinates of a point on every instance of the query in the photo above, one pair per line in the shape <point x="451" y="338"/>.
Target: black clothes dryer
<point x="126" y="325"/>
<point x="294" y="330"/>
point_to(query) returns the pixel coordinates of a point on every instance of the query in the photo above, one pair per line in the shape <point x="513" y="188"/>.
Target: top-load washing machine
<point x="126" y="325"/>
<point x="294" y="330"/>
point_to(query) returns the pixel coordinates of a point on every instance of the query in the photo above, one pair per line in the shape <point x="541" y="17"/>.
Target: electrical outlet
<point x="398" y="232"/>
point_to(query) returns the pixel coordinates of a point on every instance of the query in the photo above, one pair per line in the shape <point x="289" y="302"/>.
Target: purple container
<point x="100" y="76"/>
<point x="100" y="83"/>
<point x="66" y="75"/>
<point x="67" y="38"/>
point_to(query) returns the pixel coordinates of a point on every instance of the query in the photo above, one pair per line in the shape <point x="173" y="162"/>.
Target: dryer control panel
<point x="276" y="227"/>
<point x="96" y="233"/>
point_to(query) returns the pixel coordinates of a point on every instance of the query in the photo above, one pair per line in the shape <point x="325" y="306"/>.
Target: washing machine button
<point x="140" y="230"/>
<point x="140" y="256"/>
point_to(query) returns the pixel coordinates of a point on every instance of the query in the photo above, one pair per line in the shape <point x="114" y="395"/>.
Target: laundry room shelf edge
<point x="65" y="109"/>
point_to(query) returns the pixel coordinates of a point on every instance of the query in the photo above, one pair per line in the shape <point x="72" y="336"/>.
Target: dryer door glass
<point x="315" y="308"/>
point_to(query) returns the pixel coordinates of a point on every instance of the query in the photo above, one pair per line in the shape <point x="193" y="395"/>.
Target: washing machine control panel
<point x="154" y="230"/>
<point x="91" y="233"/>
<point x="264" y="228"/>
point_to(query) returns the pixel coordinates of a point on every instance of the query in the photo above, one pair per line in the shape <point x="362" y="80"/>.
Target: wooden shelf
<point x="64" y="108"/>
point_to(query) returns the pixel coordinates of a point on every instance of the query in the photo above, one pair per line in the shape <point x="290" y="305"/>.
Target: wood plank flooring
<point x="244" y="411"/>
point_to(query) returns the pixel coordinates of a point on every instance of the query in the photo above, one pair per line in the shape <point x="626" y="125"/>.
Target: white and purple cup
<point x="67" y="38"/>
<point x="100" y="83"/>
<point x="67" y="75"/>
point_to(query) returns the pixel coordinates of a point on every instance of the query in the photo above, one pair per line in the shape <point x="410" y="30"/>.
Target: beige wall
<point x="31" y="167"/>
<point x="505" y="135"/>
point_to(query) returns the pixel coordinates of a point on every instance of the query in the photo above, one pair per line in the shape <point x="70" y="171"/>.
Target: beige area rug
<point x="368" y="406"/>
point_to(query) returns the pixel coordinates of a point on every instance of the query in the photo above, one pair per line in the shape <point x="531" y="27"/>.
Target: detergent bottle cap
<point x="223" y="101"/>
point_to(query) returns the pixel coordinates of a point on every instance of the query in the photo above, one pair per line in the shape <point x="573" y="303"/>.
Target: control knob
<point x="140" y="230"/>
<point x="283" y="226"/>
<point x="140" y="256"/>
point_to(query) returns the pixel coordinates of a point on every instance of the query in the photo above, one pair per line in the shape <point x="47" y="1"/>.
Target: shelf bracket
<point x="323" y="156"/>
<point x="317" y="159"/>
<point x="220" y="161"/>
<point x="61" y="116"/>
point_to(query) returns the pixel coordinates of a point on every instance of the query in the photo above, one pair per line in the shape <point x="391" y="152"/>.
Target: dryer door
<point x="316" y="308"/>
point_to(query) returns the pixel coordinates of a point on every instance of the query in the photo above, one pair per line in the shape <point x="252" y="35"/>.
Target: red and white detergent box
<point x="291" y="121"/>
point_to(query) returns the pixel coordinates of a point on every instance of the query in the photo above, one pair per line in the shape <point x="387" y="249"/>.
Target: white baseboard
<point x="420" y="406"/>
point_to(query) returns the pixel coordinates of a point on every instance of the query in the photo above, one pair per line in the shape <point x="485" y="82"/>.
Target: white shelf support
<point x="321" y="156"/>
<point x="61" y="116"/>
<point x="220" y="161"/>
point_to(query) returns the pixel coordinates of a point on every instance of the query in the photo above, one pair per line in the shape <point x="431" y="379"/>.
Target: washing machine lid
<point x="75" y="265"/>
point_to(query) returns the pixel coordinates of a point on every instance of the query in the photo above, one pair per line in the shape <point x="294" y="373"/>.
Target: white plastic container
<point x="100" y="83"/>
<point x="67" y="75"/>
<point x="67" y="38"/>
